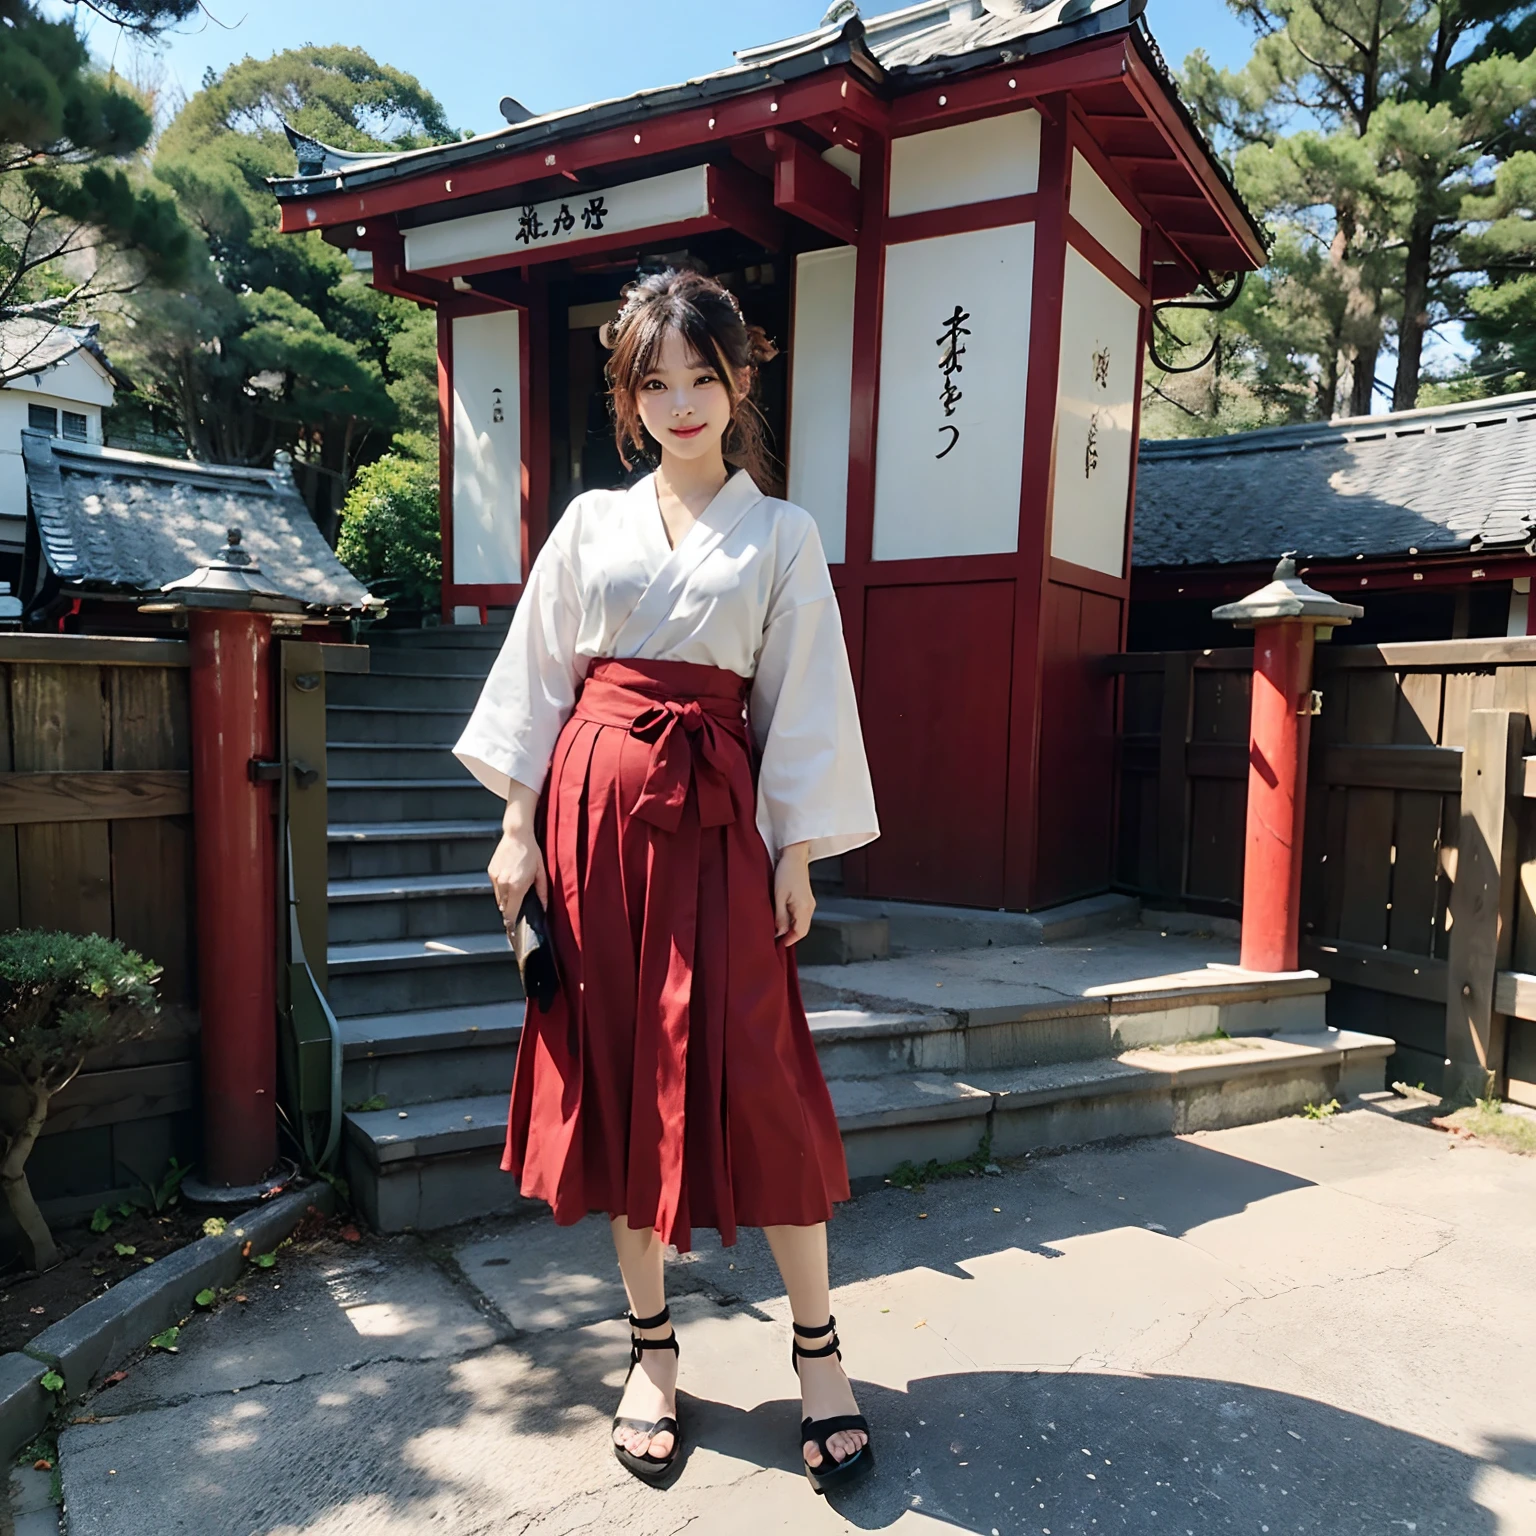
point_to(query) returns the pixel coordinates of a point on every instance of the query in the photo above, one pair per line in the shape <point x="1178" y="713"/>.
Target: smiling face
<point x="683" y="401"/>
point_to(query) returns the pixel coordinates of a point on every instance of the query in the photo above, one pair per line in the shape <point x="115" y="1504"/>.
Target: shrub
<point x="391" y="539"/>
<point x="61" y="996"/>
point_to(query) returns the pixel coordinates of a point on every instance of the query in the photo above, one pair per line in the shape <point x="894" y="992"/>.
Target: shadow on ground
<point x="439" y="1427"/>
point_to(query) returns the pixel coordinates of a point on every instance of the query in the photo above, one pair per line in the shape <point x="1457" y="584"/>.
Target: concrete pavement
<point x="1291" y="1327"/>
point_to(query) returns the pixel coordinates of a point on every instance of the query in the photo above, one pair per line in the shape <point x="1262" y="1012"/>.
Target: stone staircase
<point x="941" y="1030"/>
<point x="421" y="978"/>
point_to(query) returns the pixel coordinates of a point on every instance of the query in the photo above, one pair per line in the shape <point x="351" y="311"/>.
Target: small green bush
<point x="391" y="538"/>
<point x="61" y="996"/>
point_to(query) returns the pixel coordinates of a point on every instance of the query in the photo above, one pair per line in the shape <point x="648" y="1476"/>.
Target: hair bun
<point x="608" y="334"/>
<point x="763" y="348"/>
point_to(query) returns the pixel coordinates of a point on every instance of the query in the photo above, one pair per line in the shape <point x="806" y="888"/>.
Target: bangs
<point x="684" y="318"/>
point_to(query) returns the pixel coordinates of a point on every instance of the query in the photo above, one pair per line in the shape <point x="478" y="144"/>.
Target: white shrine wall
<point x="821" y="391"/>
<point x="951" y="443"/>
<point x="1104" y="216"/>
<point x="1095" y="418"/>
<point x="969" y="163"/>
<point x="487" y="449"/>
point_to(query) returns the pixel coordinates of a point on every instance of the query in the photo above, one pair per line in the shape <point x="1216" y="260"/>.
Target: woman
<point x="673" y="726"/>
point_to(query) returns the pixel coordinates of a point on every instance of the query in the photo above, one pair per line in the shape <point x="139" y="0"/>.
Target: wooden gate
<point x="96" y="837"/>
<point x="1401" y="727"/>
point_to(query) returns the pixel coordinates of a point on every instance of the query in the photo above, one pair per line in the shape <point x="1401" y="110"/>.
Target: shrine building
<point x="955" y="220"/>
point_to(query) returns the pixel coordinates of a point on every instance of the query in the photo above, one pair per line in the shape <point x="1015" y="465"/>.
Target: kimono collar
<point x="732" y="502"/>
<point x="715" y="524"/>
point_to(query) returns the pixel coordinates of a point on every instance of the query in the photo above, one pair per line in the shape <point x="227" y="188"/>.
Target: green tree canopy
<point x="1372" y="135"/>
<point x="278" y="341"/>
<point x="76" y="222"/>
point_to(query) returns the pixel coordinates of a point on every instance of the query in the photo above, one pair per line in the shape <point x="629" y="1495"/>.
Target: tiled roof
<point x="30" y="345"/>
<point x="1457" y="477"/>
<point x="108" y="520"/>
<point x="933" y="38"/>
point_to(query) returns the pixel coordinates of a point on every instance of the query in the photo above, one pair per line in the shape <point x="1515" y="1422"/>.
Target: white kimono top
<point x="746" y="589"/>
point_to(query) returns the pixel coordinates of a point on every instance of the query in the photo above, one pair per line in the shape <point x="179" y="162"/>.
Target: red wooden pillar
<point x="229" y="617"/>
<point x="1286" y="617"/>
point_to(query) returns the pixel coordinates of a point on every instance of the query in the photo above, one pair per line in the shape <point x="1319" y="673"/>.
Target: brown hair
<point x="707" y="317"/>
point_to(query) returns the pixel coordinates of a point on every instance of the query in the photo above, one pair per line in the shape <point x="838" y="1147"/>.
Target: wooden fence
<point x="1388" y="833"/>
<point x="96" y="837"/>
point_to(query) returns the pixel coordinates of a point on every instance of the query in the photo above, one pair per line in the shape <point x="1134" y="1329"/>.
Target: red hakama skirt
<point x="674" y="1081"/>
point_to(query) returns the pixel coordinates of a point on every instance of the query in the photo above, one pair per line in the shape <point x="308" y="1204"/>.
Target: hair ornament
<point x="764" y="348"/>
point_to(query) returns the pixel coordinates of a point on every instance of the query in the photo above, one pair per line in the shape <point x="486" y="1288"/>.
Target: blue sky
<point x="470" y="55"/>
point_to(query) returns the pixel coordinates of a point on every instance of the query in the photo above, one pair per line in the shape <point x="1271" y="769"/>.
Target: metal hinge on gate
<point x="262" y="771"/>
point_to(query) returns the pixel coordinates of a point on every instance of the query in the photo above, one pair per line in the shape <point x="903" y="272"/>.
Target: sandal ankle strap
<point x="815" y="1333"/>
<point x="833" y="1348"/>
<point x="664" y="1316"/>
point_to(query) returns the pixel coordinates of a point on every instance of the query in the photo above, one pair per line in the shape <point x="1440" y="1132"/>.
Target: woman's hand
<point x="517" y="863"/>
<point x="793" y="902"/>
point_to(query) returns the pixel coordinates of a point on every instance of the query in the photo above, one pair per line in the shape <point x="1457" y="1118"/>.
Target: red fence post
<point x="236" y="893"/>
<point x="229" y="616"/>
<point x="1286" y="617"/>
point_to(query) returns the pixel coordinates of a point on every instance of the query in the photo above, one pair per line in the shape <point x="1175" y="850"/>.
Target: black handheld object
<point x="535" y="954"/>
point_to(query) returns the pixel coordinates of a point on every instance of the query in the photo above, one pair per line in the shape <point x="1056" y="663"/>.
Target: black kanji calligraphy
<point x="1101" y="367"/>
<point x="564" y="221"/>
<point x="497" y="412"/>
<point x="951" y="350"/>
<point x="1091" y="452"/>
<point x="529" y="226"/>
<point x="594" y="213"/>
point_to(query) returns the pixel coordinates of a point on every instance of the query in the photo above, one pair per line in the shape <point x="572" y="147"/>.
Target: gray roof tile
<point x="108" y="519"/>
<point x="1451" y="478"/>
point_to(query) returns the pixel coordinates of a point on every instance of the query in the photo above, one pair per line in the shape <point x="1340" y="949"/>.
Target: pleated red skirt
<point x="674" y="1081"/>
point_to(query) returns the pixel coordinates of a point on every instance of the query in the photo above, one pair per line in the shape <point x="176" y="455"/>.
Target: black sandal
<point x="651" y="1468"/>
<point x="831" y="1472"/>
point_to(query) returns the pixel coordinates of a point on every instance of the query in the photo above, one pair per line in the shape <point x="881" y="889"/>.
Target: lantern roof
<point x="1287" y="597"/>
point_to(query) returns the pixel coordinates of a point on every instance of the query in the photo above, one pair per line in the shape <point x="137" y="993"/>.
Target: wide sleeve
<point x="813" y="779"/>
<point x="531" y="690"/>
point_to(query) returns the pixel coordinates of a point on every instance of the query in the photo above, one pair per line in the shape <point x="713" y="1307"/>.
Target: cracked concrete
<point x="1293" y="1327"/>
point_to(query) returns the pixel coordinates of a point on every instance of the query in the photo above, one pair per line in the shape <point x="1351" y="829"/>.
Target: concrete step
<point x="399" y="975"/>
<point x="458" y="798"/>
<point x="918" y="927"/>
<point x="383" y="849"/>
<point x="430" y="1054"/>
<point x="841" y="937"/>
<point x="434" y="690"/>
<point x="391" y="722"/>
<point x="437" y="1163"/>
<point x="348" y="760"/>
<point x="412" y="906"/>
<point x="1197" y="1086"/>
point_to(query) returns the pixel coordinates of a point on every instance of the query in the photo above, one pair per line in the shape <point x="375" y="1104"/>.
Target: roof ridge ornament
<point x="840" y="11"/>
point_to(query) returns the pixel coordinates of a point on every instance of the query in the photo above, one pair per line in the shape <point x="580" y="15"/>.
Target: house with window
<point x="54" y="379"/>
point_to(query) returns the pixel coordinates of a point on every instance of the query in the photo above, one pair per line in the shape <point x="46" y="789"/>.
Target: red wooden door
<point x="937" y="661"/>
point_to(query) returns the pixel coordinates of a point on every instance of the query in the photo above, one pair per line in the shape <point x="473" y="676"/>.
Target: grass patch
<point x="1321" y="1111"/>
<point x="917" y="1176"/>
<point x="1219" y="1044"/>
<point x="1489" y="1121"/>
